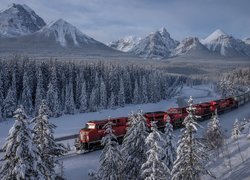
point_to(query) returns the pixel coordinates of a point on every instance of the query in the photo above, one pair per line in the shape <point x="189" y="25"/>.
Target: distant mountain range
<point x="159" y="45"/>
<point x="23" y="31"/>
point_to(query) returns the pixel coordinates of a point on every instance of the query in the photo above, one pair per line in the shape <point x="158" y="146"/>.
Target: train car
<point x="90" y="136"/>
<point x="177" y="115"/>
<point x="160" y="117"/>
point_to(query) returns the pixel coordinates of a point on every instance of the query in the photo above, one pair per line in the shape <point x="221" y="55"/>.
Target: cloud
<point x="107" y="20"/>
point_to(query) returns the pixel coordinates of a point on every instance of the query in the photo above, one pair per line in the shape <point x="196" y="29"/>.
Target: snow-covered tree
<point x="121" y="94"/>
<point x="69" y="99"/>
<point x="1" y="96"/>
<point x="83" y="99"/>
<point x="191" y="155"/>
<point x="133" y="146"/>
<point x="40" y="93"/>
<point x="53" y="101"/>
<point x="45" y="141"/>
<point x="110" y="159"/>
<point x="144" y="90"/>
<point x="52" y="98"/>
<point x="93" y="100"/>
<point x="103" y="95"/>
<point x="136" y="97"/>
<point x="214" y="134"/>
<point x="236" y="130"/>
<point x="22" y="158"/>
<point x="9" y="104"/>
<point x="26" y="98"/>
<point x="112" y="100"/>
<point x="155" y="168"/>
<point x="170" y="147"/>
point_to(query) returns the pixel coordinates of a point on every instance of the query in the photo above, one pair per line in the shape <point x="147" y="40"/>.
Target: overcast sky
<point x="107" y="20"/>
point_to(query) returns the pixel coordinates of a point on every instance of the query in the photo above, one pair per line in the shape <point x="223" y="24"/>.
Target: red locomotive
<point x="90" y="136"/>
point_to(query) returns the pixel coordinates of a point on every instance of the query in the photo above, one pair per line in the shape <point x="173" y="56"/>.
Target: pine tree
<point x="9" y="104"/>
<point x="53" y="101"/>
<point x="133" y="146"/>
<point x="45" y="141"/>
<point x="93" y="100"/>
<point x="40" y="93"/>
<point x="110" y="159"/>
<point x="112" y="101"/>
<point x="121" y="94"/>
<point x="26" y="99"/>
<point x="83" y="99"/>
<point x="21" y="159"/>
<point x="191" y="155"/>
<point x="103" y="95"/>
<point x="144" y="90"/>
<point x="155" y="167"/>
<point x="236" y="130"/>
<point x="170" y="147"/>
<point x="136" y="94"/>
<point x="69" y="102"/>
<point x="52" y="98"/>
<point x="1" y="96"/>
<point x="214" y="133"/>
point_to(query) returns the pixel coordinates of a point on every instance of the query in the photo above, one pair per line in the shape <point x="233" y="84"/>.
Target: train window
<point x="90" y="126"/>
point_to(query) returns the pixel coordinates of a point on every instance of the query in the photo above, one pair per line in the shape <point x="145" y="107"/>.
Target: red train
<point x="90" y="137"/>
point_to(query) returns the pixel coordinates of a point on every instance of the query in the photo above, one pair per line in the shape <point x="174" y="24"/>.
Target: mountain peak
<point x="215" y="35"/>
<point x="19" y="20"/>
<point x="62" y="31"/>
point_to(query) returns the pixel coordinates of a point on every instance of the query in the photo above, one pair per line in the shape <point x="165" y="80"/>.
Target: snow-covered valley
<point x="77" y="167"/>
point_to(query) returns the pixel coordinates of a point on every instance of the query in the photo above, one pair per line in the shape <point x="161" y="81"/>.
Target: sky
<point x="108" y="20"/>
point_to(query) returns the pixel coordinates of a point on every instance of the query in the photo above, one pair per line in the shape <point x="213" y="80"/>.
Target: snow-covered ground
<point x="77" y="167"/>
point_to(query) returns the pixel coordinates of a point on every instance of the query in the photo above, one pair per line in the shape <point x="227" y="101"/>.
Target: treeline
<point x="79" y="86"/>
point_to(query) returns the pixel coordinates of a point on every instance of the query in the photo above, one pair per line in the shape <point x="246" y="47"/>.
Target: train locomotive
<point x="89" y="137"/>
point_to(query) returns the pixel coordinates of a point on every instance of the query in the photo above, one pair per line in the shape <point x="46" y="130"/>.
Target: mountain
<point x="247" y="40"/>
<point x="190" y="46"/>
<point x="225" y="45"/>
<point x="156" y="45"/>
<point x="19" y="20"/>
<point x="125" y="44"/>
<point x="56" y="38"/>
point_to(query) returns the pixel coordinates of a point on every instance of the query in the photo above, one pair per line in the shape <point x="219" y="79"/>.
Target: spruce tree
<point x="136" y="98"/>
<point x="133" y="146"/>
<point x="214" y="134"/>
<point x="44" y="138"/>
<point x="1" y="96"/>
<point x="121" y="94"/>
<point x="40" y="93"/>
<point x="53" y="101"/>
<point x="83" y="99"/>
<point x="69" y="99"/>
<point x="9" y="104"/>
<point x="155" y="167"/>
<point x="169" y="147"/>
<point x="103" y="95"/>
<point x="22" y="158"/>
<point x="110" y="159"/>
<point x="191" y="154"/>
<point x="26" y="98"/>
<point x="236" y="130"/>
<point x="112" y="101"/>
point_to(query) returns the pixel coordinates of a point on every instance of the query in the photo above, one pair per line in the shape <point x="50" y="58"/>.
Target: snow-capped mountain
<point x="225" y="45"/>
<point x="156" y="45"/>
<point x="57" y="38"/>
<point x="247" y="40"/>
<point x="190" y="46"/>
<point x="125" y="44"/>
<point x="65" y="34"/>
<point x="19" y="20"/>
